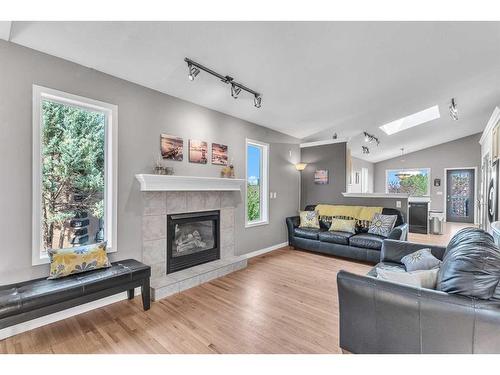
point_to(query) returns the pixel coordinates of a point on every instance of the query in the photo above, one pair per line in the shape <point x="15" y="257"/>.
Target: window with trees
<point x="74" y="172"/>
<point x="415" y="182"/>
<point x="257" y="185"/>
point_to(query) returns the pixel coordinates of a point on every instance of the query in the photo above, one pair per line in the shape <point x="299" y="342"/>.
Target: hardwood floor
<point x="283" y="302"/>
<point x="449" y="230"/>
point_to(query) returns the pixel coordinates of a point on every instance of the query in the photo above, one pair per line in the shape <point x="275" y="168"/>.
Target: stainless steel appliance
<point x="493" y="193"/>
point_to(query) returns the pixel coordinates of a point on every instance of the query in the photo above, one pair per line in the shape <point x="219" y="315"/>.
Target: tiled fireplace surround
<point x="156" y="206"/>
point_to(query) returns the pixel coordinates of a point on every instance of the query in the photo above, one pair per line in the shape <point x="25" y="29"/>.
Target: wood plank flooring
<point x="283" y="302"/>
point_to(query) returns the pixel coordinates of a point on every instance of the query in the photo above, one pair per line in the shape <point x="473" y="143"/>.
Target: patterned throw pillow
<point x="420" y="260"/>
<point x="64" y="262"/>
<point x="342" y="225"/>
<point x="309" y="219"/>
<point x="382" y="224"/>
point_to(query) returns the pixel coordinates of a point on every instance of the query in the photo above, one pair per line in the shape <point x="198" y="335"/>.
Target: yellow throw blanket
<point x="356" y="212"/>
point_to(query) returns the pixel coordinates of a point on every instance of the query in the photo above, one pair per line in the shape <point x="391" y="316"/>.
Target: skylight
<point x="410" y="121"/>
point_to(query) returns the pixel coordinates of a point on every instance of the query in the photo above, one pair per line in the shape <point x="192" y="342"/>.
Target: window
<point x="415" y="182"/>
<point x="257" y="187"/>
<point x="74" y="172"/>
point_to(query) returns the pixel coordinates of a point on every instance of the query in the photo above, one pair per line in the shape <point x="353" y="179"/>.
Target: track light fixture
<point x="453" y="109"/>
<point x="195" y="68"/>
<point x="365" y="149"/>
<point x="257" y="101"/>
<point x="235" y="91"/>
<point x="369" y="138"/>
<point x="193" y="72"/>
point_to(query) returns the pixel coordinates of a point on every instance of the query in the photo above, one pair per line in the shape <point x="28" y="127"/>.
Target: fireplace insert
<point x="192" y="238"/>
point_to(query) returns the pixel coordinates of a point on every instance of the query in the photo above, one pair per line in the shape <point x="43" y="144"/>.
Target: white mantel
<point x="153" y="182"/>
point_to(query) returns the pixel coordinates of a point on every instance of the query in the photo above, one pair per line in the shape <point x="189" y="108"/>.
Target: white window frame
<point x="39" y="255"/>
<point x="264" y="186"/>
<point x="387" y="171"/>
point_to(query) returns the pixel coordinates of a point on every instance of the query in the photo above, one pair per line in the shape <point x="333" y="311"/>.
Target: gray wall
<point x="463" y="152"/>
<point x="143" y="115"/>
<point x="333" y="158"/>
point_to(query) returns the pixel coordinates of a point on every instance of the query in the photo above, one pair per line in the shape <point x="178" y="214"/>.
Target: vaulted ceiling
<point x="317" y="78"/>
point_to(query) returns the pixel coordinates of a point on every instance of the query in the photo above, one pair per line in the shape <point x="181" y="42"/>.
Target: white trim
<point x="64" y="314"/>
<point x="429" y="173"/>
<point x="256" y="253"/>
<point x="494" y="119"/>
<point x="111" y="163"/>
<point x="324" y="142"/>
<point x="264" y="183"/>
<point x="152" y="182"/>
<point x="445" y="171"/>
<point x="375" y="195"/>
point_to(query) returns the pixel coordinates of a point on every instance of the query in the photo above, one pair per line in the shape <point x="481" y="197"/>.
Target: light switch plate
<point x="398" y="204"/>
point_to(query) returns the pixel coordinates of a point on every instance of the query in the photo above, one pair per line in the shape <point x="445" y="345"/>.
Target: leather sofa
<point x="359" y="246"/>
<point x="378" y="316"/>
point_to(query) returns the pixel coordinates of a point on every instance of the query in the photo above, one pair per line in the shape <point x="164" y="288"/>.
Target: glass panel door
<point x="460" y="195"/>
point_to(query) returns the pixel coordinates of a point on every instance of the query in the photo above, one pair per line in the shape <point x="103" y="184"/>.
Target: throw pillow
<point x="343" y="225"/>
<point x="382" y="224"/>
<point x="420" y="260"/>
<point x="420" y="279"/>
<point x="309" y="219"/>
<point x="64" y="262"/>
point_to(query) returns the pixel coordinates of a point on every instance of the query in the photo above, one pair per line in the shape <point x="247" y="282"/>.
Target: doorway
<point x="460" y="195"/>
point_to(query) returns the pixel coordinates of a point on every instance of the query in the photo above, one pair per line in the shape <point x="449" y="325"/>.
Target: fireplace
<point x="192" y="239"/>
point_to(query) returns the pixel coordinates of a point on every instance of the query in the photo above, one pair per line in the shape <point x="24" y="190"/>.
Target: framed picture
<point x="172" y="148"/>
<point x="198" y="151"/>
<point x="321" y="176"/>
<point x="219" y="154"/>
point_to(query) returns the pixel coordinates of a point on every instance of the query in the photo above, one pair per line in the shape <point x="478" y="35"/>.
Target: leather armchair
<point x="377" y="316"/>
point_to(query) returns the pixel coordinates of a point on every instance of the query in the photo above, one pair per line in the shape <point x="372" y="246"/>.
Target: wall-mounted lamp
<point x="300" y="166"/>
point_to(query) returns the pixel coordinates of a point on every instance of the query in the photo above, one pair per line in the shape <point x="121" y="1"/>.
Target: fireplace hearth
<point x="192" y="239"/>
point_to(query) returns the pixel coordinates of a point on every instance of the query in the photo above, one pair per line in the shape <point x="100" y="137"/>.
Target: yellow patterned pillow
<point x="64" y="262"/>
<point x="309" y="219"/>
<point x="342" y="225"/>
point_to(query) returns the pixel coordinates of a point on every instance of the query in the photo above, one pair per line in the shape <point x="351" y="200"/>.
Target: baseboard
<point x="60" y="315"/>
<point x="265" y="250"/>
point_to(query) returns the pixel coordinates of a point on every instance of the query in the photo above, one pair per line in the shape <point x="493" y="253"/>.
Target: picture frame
<point x="171" y="147"/>
<point x="198" y="151"/>
<point x="321" y="176"/>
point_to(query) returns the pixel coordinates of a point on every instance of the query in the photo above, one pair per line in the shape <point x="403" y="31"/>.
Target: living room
<point x="198" y="186"/>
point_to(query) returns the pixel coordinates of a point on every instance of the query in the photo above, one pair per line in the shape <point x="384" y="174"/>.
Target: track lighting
<point x="365" y="149"/>
<point x="257" y="101"/>
<point x="193" y="72"/>
<point x="453" y="109"/>
<point x="236" y="87"/>
<point x="369" y="138"/>
<point x="235" y="91"/>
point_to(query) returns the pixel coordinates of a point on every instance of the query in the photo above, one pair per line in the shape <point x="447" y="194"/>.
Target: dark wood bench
<point x="32" y="299"/>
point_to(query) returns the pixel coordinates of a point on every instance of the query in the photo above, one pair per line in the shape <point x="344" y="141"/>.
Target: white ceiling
<point x="316" y="77"/>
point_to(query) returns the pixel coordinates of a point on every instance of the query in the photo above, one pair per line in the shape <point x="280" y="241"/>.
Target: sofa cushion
<point x="382" y="224"/>
<point x="341" y="238"/>
<point x="343" y="225"/>
<point x="471" y="265"/>
<point x="420" y="279"/>
<point x="309" y="233"/>
<point x="367" y="241"/>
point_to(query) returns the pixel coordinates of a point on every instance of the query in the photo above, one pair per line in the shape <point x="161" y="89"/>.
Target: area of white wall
<point x="143" y="114"/>
<point x="357" y="166"/>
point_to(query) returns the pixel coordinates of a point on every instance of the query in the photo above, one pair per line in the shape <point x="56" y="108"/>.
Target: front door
<point x="460" y="195"/>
